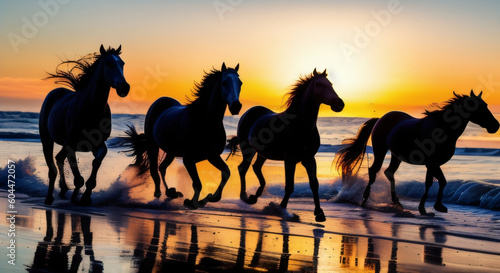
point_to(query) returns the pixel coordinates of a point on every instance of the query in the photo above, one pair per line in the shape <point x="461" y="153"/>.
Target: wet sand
<point x="142" y="234"/>
<point x="233" y="237"/>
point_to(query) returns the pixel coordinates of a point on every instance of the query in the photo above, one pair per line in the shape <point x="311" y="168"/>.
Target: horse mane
<point x="87" y="65"/>
<point x="300" y="87"/>
<point x="445" y="105"/>
<point x="202" y="90"/>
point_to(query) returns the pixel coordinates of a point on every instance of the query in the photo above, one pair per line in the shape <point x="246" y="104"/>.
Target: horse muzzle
<point x="235" y="108"/>
<point x="493" y="128"/>
<point x="337" y="106"/>
<point x="122" y="89"/>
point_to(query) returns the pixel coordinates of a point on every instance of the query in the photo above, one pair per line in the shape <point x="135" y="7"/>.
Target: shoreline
<point x="218" y="239"/>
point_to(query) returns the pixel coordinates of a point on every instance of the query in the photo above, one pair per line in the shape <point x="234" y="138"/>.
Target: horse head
<point x="324" y="92"/>
<point x="113" y="70"/>
<point x="231" y="88"/>
<point x="480" y="114"/>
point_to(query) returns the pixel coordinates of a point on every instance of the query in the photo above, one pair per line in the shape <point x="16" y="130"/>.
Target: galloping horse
<point x="80" y="119"/>
<point x="194" y="132"/>
<point x="291" y="136"/>
<point x="428" y="141"/>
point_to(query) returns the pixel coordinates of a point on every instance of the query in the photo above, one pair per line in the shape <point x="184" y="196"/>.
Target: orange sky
<point x="380" y="55"/>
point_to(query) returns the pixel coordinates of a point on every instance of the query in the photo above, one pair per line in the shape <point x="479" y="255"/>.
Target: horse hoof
<point x="363" y="203"/>
<point x="422" y="211"/>
<point x="320" y="217"/>
<point x="252" y="200"/>
<point x="202" y="203"/>
<point x="74" y="198"/>
<point x="172" y="193"/>
<point x="189" y="204"/>
<point x="49" y="200"/>
<point x="62" y="193"/>
<point x="212" y="198"/>
<point x="85" y="200"/>
<point x="398" y="204"/>
<point x="157" y="194"/>
<point x="440" y="208"/>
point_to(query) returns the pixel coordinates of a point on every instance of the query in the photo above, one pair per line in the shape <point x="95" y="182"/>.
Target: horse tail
<point x="136" y="144"/>
<point x="232" y="145"/>
<point x="349" y="157"/>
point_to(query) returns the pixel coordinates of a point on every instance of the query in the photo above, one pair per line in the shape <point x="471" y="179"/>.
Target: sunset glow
<point x="380" y="55"/>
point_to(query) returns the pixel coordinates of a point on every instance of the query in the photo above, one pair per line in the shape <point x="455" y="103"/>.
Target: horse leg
<point x="99" y="154"/>
<point x="172" y="192"/>
<point x="310" y="165"/>
<point x="438" y="173"/>
<point x="389" y="173"/>
<point x="257" y="169"/>
<point x="428" y="184"/>
<point x="225" y="173"/>
<point x="78" y="179"/>
<point x="153" y="151"/>
<point x="193" y="173"/>
<point x="48" y="149"/>
<point x="248" y="154"/>
<point x="289" y="181"/>
<point x="379" y="155"/>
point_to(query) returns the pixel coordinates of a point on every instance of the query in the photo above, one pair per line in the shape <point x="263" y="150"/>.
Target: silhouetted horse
<point x="428" y="141"/>
<point x="80" y="119"/>
<point x="194" y="132"/>
<point x="291" y="136"/>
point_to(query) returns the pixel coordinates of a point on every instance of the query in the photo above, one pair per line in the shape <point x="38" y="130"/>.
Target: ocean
<point x="473" y="173"/>
<point x="125" y="216"/>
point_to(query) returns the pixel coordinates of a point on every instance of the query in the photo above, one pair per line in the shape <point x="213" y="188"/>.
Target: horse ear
<point x="223" y="67"/>
<point x="480" y="94"/>
<point x="324" y="72"/>
<point x="119" y="49"/>
<point x="472" y="93"/>
<point x="315" y="73"/>
<point x="237" y="67"/>
<point x="102" y="50"/>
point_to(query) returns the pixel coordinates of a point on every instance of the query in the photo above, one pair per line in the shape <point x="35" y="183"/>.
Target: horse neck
<point x="95" y="95"/>
<point x="453" y="125"/>
<point x="213" y="110"/>
<point x="306" y="110"/>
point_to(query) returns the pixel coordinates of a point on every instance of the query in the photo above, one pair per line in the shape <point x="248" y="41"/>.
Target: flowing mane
<point x="87" y="66"/>
<point x="202" y="91"/>
<point x="446" y="105"/>
<point x="300" y="87"/>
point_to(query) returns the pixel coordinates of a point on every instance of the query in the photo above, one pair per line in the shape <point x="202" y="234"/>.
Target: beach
<point x="128" y="230"/>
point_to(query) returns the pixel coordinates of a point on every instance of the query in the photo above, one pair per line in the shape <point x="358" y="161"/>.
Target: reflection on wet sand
<point x="53" y="254"/>
<point x="153" y="243"/>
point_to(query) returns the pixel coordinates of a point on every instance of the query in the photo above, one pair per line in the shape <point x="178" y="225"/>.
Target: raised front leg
<point x="289" y="181"/>
<point x="310" y="165"/>
<point x="217" y="161"/>
<point x="99" y="154"/>
<point x="193" y="173"/>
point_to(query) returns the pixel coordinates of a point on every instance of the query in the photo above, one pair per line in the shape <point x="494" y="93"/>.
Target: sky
<point x="380" y="55"/>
